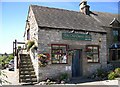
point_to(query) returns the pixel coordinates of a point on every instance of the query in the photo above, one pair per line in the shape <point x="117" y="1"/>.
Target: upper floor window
<point x="59" y="53"/>
<point x="116" y="35"/>
<point x="92" y="52"/>
<point x="28" y="34"/>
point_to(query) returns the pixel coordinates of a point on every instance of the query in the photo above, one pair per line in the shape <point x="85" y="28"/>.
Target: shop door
<point x="77" y="63"/>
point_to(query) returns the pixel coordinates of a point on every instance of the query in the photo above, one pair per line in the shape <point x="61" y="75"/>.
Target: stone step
<point x="29" y="80"/>
<point x="27" y="73"/>
<point x="27" y="69"/>
<point x="27" y="66"/>
<point x="28" y="77"/>
<point x="24" y="55"/>
<point x="26" y="63"/>
<point x="25" y="59"/>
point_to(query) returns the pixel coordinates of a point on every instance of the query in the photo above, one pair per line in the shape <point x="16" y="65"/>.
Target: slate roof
<point x="66" y="19"/>
<point x="104" y="18"/>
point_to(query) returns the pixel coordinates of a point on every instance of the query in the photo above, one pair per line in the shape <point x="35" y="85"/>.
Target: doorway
<point x="77" y="63"/>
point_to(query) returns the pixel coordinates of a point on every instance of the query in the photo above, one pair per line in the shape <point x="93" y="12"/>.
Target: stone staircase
<point x="26" y="70"/>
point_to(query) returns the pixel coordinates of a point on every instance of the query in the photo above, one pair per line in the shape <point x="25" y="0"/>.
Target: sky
<point x="13" y="17"/>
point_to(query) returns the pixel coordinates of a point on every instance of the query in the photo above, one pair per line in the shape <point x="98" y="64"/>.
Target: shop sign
<point x="76" y="36"/>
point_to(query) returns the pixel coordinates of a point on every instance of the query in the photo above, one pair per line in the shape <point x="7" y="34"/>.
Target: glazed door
<point x="76" y="63"/>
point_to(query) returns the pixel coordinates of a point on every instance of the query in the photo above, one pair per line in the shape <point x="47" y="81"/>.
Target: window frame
<point x="116" y="54"/>
<point x="116" y="33"/>
<point x="98" y="53"/>
<point x="61" y="53"/>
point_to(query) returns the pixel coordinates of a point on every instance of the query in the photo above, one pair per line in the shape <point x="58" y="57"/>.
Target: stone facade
<point x="54" y="36"/>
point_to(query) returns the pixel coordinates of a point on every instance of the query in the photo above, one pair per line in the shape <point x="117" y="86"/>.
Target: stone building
<point x="77" y="42"/>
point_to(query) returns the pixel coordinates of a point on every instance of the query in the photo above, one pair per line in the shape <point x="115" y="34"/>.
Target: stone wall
<point x="33" y="27"/>
<point x="48" y="36"/>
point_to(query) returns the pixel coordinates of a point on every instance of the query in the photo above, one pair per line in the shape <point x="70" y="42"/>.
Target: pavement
<point x="86" y="81"/>
<point x="12" y="78"/>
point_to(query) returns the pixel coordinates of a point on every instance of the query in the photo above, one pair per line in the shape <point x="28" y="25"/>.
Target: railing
<point x="16" y="51"/>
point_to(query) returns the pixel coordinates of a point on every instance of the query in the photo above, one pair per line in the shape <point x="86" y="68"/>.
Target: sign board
<point x="76" y="36"/>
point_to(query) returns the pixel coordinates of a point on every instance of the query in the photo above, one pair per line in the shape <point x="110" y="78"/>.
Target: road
<point x="14" y="80"/>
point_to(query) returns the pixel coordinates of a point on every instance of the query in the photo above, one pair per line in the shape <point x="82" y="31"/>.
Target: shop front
<point x="78" y="54"/>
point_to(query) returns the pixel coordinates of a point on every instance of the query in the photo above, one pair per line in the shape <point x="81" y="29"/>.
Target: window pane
<point x="55" y="47"/>
<point x="59" y="54"/>
<point x="55" y="58"/>
<point x="115" y="35"/>
<point x="63" y="48"/>
<point x="90" y="49"/>
<point x="63" y="58"/>
<point x="56" y="51"/>
<point x="92" y="53"/>
<point x="95" y="49"/>
<point x="114" y="56"/>
<point x="96" y="58"/>
<point x="89" y="59"/>
<point x="115" y="32"/>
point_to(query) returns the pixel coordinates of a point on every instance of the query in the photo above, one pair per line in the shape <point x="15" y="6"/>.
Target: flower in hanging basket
<point x="43" y="60"/>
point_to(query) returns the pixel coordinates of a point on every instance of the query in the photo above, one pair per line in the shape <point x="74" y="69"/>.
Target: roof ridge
<point x="105" y="12"/>
<point x="70" y="10"/>
<point x="57" y="8"/>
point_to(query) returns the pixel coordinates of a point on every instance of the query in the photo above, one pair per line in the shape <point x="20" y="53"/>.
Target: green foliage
<point x="42" y="60"/>
<point x="10" y="57"/>
<point x="19" y="47"/>
<point x="6" y="59"/>
<point x="1" y="58"/>
<point x="117" y="71"/>
<point x="112" y="75"/>
<point x="64" y="76"/>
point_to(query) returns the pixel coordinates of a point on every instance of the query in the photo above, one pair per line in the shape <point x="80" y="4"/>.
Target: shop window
<point x="92" y="53"/>
<point x="59" y="53"/>
<point x="115" y="54"/>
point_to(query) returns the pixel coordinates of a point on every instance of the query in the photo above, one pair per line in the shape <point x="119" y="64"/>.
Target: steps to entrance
<point x="26" y="70"/>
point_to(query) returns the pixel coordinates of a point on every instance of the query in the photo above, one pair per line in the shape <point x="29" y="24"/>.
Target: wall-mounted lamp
<point x="87" y="33"/>
<point x="100" y="39"/>
<point x="73" y="31"/>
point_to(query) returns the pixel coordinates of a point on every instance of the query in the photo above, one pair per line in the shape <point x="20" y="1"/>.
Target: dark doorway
<point x="77" y="63"/>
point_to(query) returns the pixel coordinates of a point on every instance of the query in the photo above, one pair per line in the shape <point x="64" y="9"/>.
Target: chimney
<point x="84" y="8"/>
